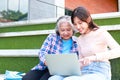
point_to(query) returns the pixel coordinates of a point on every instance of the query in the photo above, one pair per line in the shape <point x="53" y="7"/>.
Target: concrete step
<point x="2" y="77"/>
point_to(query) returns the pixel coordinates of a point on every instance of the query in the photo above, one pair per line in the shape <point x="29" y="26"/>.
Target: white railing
<point x="26" y="33"/>
<point x="29" y="22"/>
<point x="106" y="15"/>
<point x="19" y="52"/>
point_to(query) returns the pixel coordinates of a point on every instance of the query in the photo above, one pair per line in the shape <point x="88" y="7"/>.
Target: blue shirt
<point x="67" y="45"/>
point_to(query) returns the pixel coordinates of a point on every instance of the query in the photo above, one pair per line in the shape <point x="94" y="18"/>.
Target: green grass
<point x="28" y="27"/>
<point x="23" y="42"/>
<point x="110" y="21"/>
<point x="22" y="64"/>
<point x="115" y="69"/>
<point x="116" y="35"/>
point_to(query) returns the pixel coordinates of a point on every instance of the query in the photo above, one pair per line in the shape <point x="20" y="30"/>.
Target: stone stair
<point x="2" y="77"/>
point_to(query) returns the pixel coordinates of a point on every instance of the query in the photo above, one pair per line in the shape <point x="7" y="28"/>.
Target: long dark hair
<point x="84" y="15"/>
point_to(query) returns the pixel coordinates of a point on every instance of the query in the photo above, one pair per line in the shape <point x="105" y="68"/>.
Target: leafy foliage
<point x="13" y="15"/>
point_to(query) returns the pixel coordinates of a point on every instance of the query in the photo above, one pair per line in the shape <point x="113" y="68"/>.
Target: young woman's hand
<point x="87" y="60"/>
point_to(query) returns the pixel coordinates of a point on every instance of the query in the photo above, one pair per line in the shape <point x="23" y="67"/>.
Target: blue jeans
<point x="94" y="71"/>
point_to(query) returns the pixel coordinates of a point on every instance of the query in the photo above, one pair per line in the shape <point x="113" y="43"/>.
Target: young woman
<point x="96" y="48"/>
<point x="61" y="42"/>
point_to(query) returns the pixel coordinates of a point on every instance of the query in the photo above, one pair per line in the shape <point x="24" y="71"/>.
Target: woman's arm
<point x="114" y="48"/>
<point x="45" y="48"/>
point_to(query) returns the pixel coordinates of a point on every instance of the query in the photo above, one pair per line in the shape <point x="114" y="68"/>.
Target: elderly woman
<point x="61" y="42"/>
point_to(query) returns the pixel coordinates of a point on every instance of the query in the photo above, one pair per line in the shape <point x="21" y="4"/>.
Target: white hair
<point x="63" y="19"/>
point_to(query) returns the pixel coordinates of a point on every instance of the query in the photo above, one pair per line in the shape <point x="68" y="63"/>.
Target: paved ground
<point x="1" y="76"/>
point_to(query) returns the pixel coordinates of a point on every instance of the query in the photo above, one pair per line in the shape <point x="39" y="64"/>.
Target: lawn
<point x="22" y="64"/>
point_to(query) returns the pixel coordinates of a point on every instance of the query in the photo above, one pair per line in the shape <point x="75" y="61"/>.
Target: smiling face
<point x="65" y="30"/>
<point x="81" y="26"/>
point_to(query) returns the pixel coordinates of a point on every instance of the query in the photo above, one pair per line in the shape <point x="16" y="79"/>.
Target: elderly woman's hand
<point x="45" y="63"/>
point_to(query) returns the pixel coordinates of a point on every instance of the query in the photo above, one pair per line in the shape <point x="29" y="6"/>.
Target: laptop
<point x="63" y="64"/>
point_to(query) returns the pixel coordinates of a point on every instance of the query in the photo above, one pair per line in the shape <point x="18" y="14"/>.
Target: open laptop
<point x="63" y="64"/>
